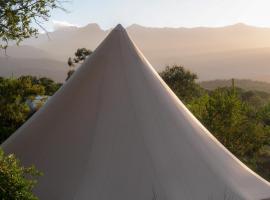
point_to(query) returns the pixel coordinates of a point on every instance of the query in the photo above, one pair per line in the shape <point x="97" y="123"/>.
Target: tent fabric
<point x="115" y="131"/>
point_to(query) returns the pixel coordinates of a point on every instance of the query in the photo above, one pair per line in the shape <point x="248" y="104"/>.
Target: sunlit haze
<point x="162" y="13"/>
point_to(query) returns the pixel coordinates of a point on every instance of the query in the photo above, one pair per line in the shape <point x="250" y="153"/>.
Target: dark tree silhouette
<point x="80" y="56"/>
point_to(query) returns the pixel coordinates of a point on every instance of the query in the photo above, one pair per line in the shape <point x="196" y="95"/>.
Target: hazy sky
<point x="163" y="13"/>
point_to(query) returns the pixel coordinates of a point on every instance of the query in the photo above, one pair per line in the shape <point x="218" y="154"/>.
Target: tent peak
<point x="119" y="27"/>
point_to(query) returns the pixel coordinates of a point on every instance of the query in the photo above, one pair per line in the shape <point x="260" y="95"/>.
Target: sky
<point x="161" y="13"/>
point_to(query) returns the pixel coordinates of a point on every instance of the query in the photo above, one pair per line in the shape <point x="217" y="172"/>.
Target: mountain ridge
<point x="235" y="51"/>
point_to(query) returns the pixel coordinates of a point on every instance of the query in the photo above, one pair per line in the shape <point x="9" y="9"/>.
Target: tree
<point x="264" y="115"/>
<point x="182" y="82"/>
<point x="80" y="55"/>
<point x="198" y="106"/>
<point x="16" y="182"/>
<point x="16" y="93"/>
<point x="256" y="99"/>
<point x="50" y="86"/>
<point x="229" y="120"/>
<point x="13" y="108"/>
<point x="17" y="18"/>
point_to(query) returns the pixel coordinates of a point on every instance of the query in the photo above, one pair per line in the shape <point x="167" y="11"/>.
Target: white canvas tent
<point x="115" y="131"/>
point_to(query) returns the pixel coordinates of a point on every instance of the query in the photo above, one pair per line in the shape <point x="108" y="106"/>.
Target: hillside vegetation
<point x="245" y="84"/>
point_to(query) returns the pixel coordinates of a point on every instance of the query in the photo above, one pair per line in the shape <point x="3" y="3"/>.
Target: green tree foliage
<point x="239" y="119"/>
<point x="256" y="99"/>
<point x="50" y="87"/>
<point x="14" y="110"/>
<point x="264" y="115"/>
<point x="80" y="55"/>
<point x="17" y="18"/>
<point x="198" y="106"/>
<point x="229" y="119"/>
<point x="182" y="82"/>
<point x="244" y="84"/>
<point x="16" y="182"/>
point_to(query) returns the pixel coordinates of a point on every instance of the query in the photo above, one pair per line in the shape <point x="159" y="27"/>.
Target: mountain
<point x="24" y="51"/>
<point x="160" y="43"/>
<point x="24" y="60"/>
<point x="56" y="70"/>
<point x="236" y="51"/>
<point x="62" y="43"/>
<point x="242" y="64"/>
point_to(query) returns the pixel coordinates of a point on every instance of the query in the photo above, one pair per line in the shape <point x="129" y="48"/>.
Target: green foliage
<point x="17" y="18"/>
<point x="264" y="115"/>
<point x="244" y="84"/>
<point x="14" y="110"/>
<point x="228" y="118"/>
<point x="239" y="119"/>
<point x="49" y="85"/>
<point x="182" y="82"/>
<point x="198" y="106"/>
<point x="16" y="181"/>
<point x="80" y="55"/>
<point x="256" y="99"/>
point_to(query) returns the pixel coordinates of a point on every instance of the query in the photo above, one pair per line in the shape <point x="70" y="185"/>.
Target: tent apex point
<point x="119" y="27"/>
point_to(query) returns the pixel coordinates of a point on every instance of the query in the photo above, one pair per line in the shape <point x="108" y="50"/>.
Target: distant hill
<point x="237" y="51"/>
<point x="24" y="51"/>
<point x="64" y="42"/>
<point x="241" y="83"/>
<point x="159" y="43"/>
<point x="53" y="69"/>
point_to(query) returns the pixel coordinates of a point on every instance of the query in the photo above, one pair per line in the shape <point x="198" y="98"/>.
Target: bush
<point x="16" y="181"/>
<point x="182" y="82"/>
<point x="15" y="92"/>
